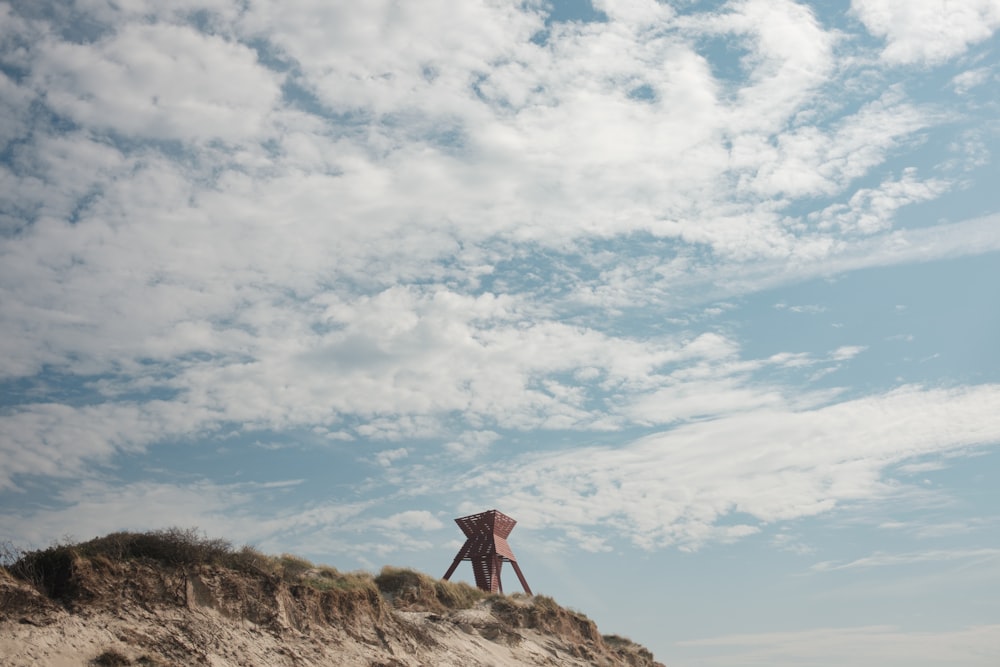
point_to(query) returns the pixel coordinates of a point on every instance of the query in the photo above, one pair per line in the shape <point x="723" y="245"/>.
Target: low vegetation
<point x="115" y="658"/>
<point x="406" y="589"/>
<point x="174" y="548"/>
<point x="178" y="548"/>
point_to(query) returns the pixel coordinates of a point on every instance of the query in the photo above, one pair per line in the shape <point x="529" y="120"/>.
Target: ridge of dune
<point x="75" y="605"/>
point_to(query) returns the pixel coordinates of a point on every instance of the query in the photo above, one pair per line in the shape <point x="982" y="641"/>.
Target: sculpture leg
<point x="481" y="568"/>
<point x="451" y="570"/>
<point x="517" y="571"/>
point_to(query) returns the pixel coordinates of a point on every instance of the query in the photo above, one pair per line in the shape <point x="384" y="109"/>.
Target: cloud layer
<point x="390" y="225"/>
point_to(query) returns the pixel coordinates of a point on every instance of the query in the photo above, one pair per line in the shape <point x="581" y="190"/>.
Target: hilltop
<point x="172" y="598"/>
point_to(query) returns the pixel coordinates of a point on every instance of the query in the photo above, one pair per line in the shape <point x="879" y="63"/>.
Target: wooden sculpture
<point x="486" y="546"/>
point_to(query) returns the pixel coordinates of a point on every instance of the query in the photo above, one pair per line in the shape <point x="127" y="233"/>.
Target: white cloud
<point x="389" y="57"/>
<point x="888" y="560"/>
<point x="158" y="81"/>
<point x="869" y="646"/>
<point x="408" y="520"/>
<point x="317" y="206"/>
<point x="929" y="529"/>
<point x="808" y="160"/>
<point x="872" y="210"/>
<point x="637" y="13"/>
<point x="387" y="457"/>
<point x="791" y="55"/>
<point x="928" y="31"/>
<point x="62" y="441"/>
<point x="772" y="464"/>
<point x="411" y="251"/>
<point x="809" y="260"/>
<point x="94" y="507"/>
<point x="471" y="444"/>
<point x="245" y="513"/>
<point x="694" y="400"/>
<point x="970" y="79"/>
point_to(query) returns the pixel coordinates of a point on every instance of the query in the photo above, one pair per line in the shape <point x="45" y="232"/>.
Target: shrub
<point x="615" y="641"/>
<point x="404" y="584"/>
<point x="111" y="658"/>
<point x="248" y="559"/>
<point x="172" y="546"/>
<point x="49" y="570"/>
<point x="9" y="554"/>
<point x="292" y="567"/>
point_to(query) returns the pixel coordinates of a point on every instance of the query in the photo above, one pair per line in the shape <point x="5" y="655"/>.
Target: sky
<point x="705" y="295"/>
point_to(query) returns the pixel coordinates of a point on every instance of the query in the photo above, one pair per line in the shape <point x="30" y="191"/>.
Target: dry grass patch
<point x="628" y="651"/>
<point x="326" y="578"/>
<point x="408" y="589"/>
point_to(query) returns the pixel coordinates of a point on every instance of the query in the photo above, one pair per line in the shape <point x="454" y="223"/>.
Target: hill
<point x="170" y="597"/>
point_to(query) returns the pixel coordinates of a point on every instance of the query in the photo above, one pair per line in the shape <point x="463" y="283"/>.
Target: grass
<point x="50" y="569"/>
<point x="411" y="589"/>
<point x="328" y="578"/>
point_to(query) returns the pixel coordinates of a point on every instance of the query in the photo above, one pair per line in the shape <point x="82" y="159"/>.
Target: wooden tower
<point x="486" y="546"/>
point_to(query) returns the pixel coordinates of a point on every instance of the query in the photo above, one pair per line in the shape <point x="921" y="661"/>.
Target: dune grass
<point x="186" y="549"/>
<point x="178" y="549"/>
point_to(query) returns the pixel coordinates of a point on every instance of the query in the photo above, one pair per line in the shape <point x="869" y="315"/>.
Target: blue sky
<point x="704" y="294"/>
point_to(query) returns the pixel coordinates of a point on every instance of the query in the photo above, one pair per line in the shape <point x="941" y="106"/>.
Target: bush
<point x="172" y="546"/>
<point x="9" y="554"/>
<point x="406" y="587"/>
<point x="111" y="658"/>
<point x="248" y="559"/>
<point x="615" y="641"/>
<point x="49" y="570"/>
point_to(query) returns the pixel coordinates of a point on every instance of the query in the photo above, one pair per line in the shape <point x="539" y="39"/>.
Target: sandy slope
<point x="206" y="637"/>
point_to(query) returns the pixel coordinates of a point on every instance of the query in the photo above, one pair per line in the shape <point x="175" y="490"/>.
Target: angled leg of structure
<point x="451" y="570"/>
<point x="517" y="571"/>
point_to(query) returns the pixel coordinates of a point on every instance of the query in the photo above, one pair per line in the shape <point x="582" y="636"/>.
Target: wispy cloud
<point x="775" y="464"/>
<point x="864" y="646"/>
<point x="886" y="560"/>
<point x="926" y="31"/>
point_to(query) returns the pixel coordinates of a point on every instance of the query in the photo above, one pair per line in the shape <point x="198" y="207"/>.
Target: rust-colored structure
<point x="486" y="546"/>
